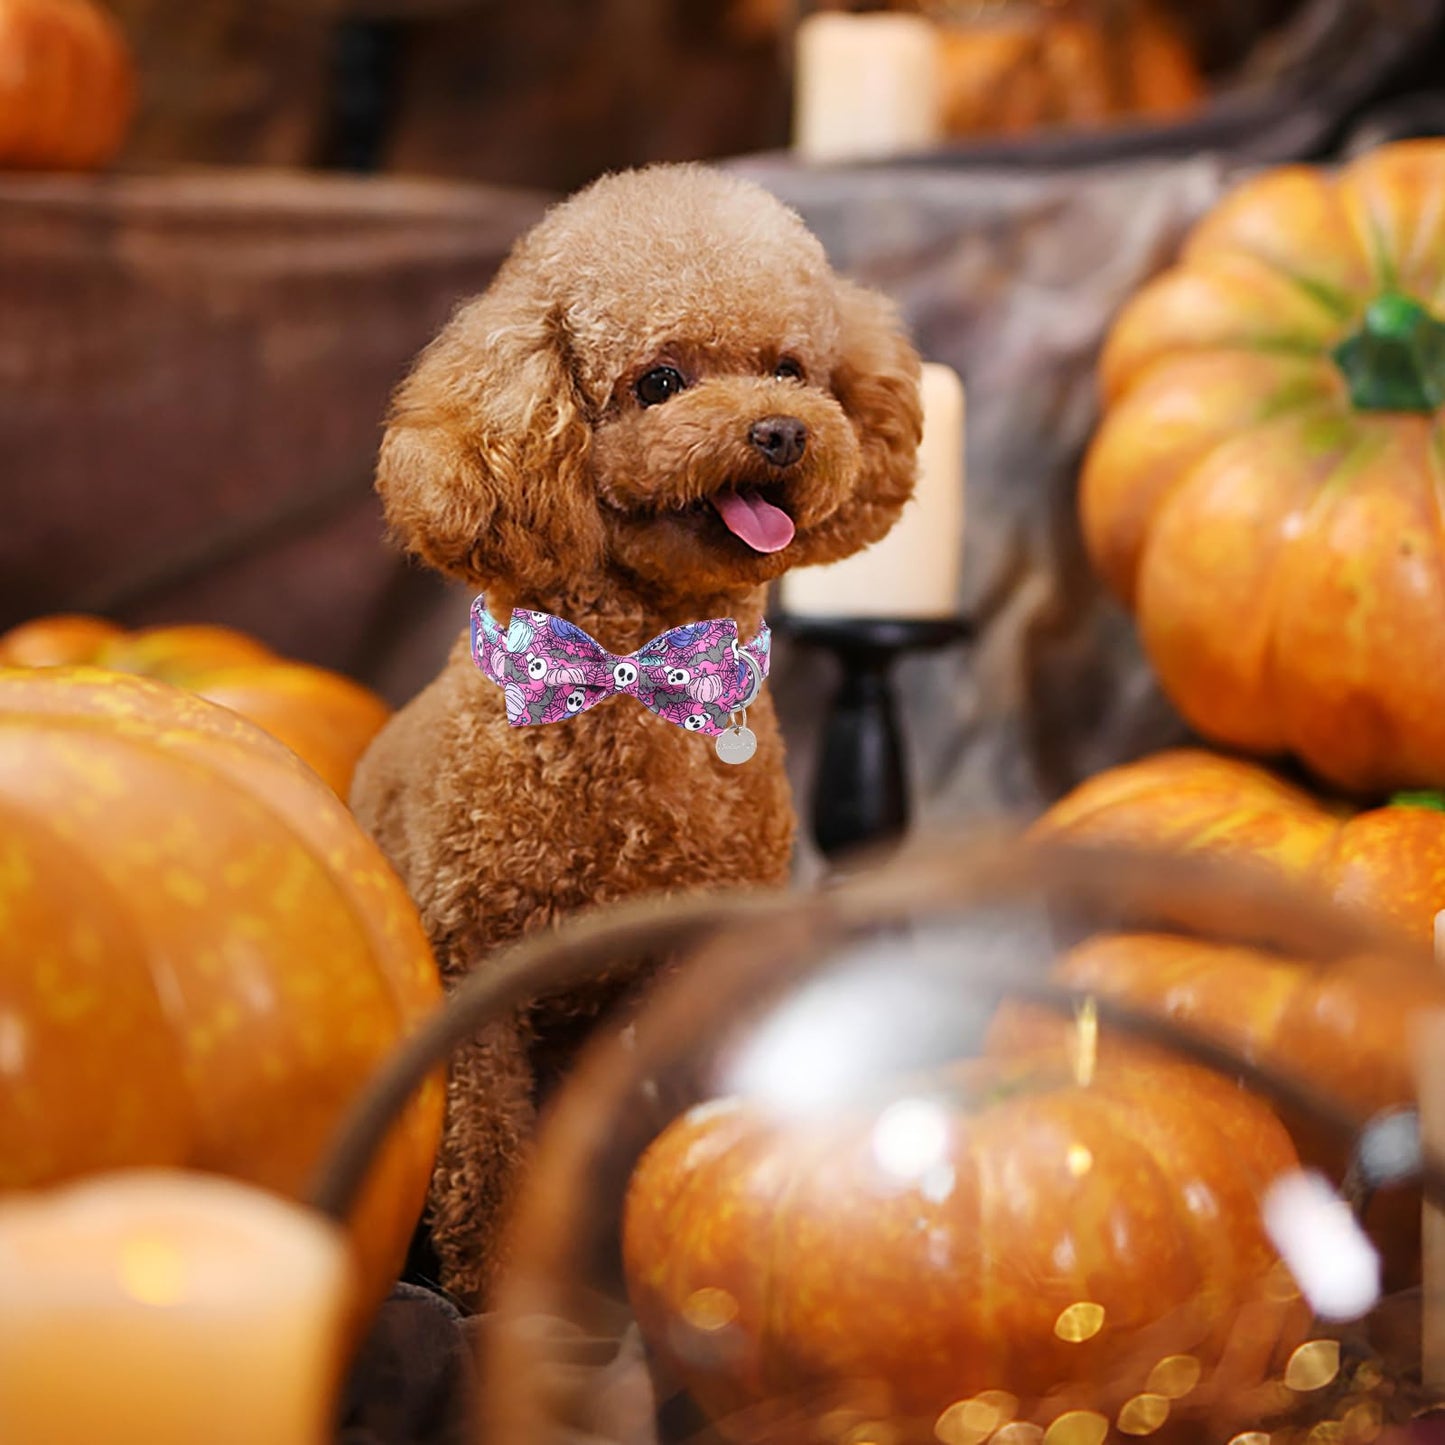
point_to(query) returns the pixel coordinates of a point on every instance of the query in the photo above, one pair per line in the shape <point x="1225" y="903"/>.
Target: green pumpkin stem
<point x="1395" y="361"/>
<point x="1421" y="798"/>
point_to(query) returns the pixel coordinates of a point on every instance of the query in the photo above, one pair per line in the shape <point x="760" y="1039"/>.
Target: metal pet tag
<point x="738" y="743"/>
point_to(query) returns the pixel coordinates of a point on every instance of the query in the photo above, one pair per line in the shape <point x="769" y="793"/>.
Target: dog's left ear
<point x="876" y="380"/>
<point x="484" y="470"/>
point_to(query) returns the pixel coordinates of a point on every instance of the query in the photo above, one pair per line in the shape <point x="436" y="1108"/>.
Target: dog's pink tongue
<point x="764" y="527"/>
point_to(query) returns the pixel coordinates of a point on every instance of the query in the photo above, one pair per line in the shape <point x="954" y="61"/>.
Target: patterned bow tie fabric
<point x="695" y="676"/>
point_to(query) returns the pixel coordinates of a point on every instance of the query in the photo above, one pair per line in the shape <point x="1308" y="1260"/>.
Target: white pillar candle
<point x="865" y="86"/>
<point x="157" y="1307"/>
<point x="914" y="571"/>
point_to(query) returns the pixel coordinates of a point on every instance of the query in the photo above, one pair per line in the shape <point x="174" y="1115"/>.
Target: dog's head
<point x="667" y="385"/>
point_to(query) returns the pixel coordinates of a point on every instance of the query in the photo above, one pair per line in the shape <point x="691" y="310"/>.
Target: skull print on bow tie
<point x="695" y="676"/>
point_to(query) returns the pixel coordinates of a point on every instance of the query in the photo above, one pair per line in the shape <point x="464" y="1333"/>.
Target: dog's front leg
<point x="485" y="1148"/>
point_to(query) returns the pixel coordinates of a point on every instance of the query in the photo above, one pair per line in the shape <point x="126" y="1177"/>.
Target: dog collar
<point x="697" y="676"/>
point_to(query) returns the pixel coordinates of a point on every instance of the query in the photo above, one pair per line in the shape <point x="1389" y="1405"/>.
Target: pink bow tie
<point x="696" y="676"/>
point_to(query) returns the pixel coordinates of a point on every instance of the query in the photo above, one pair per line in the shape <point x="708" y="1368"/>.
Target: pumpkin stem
<point x="1395" y="361"/>
<point x="1420" y="798"/>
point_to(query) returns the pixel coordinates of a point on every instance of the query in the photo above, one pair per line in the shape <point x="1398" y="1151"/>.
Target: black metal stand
<point x="860" y="791"/>
<point x="365" y="66"/>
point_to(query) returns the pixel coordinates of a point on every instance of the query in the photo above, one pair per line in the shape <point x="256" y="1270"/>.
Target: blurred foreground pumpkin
<point x="1386" y="863"/>
<point x="1264" y="491"/>
<point x="324" y="717"/>
<point x="204" y="958"/>
<point x="67" y="84"/>
<point x="1343" y="1026"/>
<point x="1076" y="1251"/>
<point x="1344" y="1030"/>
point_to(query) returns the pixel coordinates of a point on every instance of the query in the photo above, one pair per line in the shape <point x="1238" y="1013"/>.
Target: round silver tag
<point x="737" y="744"/>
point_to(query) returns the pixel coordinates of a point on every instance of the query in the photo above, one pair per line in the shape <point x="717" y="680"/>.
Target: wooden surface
<point x="193" y="374"/>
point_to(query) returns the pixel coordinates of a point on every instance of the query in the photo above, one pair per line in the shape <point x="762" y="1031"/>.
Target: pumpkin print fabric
<point x="695" y="676"/>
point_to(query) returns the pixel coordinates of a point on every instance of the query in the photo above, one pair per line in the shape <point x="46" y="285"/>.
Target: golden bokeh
<point x="1143" y="1415"/>
<point x="967" y="1422"/>
<point x="1251" y="1437"/>
<point x="1078" y="1322"/>
<point x="1021" y="1432"/>
<point x="1327" y="1432"/>
<point x="1369" y="1376"/>
<point x="1174" y="1377"/>
<point x="1273" y="1397"/>
<point x="1077" y="1427"/>
<point x="1079" y="1160"/>
<point x="709" y="1309"/>
<point x="1362" y="1422"/>
<point x="1313" y="1365"/>
<point x="872" y="1432"/>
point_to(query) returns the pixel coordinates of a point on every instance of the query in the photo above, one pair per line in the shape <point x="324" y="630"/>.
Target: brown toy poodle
<point x="665" y="399"/>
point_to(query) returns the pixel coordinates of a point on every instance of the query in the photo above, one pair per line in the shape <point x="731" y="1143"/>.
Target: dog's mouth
<point x="741" y="515"/>
<point x="753" y="519"/>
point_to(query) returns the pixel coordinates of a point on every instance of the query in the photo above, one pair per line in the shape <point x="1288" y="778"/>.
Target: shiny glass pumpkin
<point x="929" y="1157"/>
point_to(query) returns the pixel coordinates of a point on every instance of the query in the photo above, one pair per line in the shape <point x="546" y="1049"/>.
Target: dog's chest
<point x="617" y="802"/>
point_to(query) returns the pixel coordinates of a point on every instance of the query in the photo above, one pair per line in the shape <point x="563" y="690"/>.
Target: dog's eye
<point x="788" y="370"/>
<point x="659" y="384"/>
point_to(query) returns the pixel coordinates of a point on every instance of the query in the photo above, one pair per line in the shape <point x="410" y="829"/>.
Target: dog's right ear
<point x="484" y="470"/>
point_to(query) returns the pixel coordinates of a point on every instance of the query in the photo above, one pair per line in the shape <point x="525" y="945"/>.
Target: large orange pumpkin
<point x="324" y="717"/>
<point x="1343" y="1029"/>
<point x="1387" y="863"/>
<point x="1344" y="1026"/>
<point x="67" y="85"/>
<point x="1264" y="490"/>
<point x="203" y="958"/>
<point x="1061" y="1249"/>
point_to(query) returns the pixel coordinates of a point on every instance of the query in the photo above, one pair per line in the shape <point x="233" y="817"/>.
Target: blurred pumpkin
<point x="67" y="84"/>
<point x="1386" y="863"/>
<point x="324" y="717"/>
<point x="1343" y="1026"/>
<point x="204" y="957"/>
<point x="1342" y="1029"/>
<point x="1264" y="490"/>
<point x="1013" y="67"/>
<point x="1066" y="1241"/>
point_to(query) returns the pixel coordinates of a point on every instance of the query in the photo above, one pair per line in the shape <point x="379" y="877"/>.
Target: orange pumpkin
<point x="67" y="84"/>
<point x="1060" y="1246"/>
<point x="324" y="717"/>
<point x="1015" y="67"/>
<point x="1387" y="863"/>
<point x="1264" y="490"/>
<point x="204" y="957"/>
<point x="1345" y="1026"/>
<point x="1344" y="1029"/>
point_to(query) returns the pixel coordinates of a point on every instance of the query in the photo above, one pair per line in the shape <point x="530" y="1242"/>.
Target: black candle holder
<point x="860" y="789"/>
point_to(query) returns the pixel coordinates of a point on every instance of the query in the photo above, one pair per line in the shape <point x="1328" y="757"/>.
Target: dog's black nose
<point x="780" y="439"/>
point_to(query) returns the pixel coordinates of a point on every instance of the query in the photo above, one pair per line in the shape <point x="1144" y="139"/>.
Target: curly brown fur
<point x="520" y="459"/>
